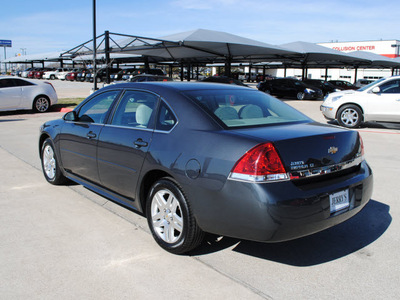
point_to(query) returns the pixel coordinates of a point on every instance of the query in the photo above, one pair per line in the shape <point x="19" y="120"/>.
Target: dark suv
<point x="287" y="87"/>
<point x="102" y="74"/>
<point x="131" y="73"/>
<point x="343" y="85"/>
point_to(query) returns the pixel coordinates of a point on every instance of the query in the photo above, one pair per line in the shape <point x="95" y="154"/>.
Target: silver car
<point x="18" y="93"/>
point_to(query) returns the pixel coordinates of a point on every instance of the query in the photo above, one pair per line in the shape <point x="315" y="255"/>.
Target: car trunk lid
<point x="310" y="147"/>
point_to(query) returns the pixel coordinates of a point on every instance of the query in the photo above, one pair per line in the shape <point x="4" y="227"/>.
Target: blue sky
<point x="54" y="25"/>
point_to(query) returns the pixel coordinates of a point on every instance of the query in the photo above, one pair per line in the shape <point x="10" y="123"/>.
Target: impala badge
<point x="333" y="150"/>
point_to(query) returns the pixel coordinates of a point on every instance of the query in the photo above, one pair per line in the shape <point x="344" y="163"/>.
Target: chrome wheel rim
<point x="49" y="162"/>
<point x="349" y="117"/>
<point x="166" y="216"/>
<point x="42" y="104"/>
<point x="300" y="96"/>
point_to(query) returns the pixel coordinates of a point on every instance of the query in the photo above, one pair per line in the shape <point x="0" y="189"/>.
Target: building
<point x="388" y="48"/>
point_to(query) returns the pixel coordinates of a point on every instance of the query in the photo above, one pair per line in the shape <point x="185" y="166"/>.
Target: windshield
<point x="366" y="87"/>
<point x="245" y="108"/>
<point x="299" y="83"/>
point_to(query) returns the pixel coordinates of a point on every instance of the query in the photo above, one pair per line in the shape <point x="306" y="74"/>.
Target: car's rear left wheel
<point x="171" y="219"/>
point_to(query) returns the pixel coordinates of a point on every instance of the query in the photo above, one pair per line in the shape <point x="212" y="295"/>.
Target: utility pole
<point x="94" y="47"/>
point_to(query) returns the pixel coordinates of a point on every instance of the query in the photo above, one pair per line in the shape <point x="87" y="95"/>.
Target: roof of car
<point x="178" y="85"/>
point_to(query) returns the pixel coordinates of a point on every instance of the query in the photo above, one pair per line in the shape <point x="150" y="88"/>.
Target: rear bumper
<point x="313" y="96"/>
<point x="275" y="212"/>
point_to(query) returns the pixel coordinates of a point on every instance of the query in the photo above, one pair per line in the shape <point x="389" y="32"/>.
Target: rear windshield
<point x="245" y="107"/>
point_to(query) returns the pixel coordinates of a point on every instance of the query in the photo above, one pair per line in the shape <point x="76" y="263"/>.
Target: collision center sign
<point x="5" y="43"/>
<point x="355" y="48"/>
<point x="378" y="47"/>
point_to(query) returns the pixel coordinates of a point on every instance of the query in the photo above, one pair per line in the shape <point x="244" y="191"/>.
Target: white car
<point x="53" y="74"/>
<point x="376" y="102"/>
<point x="18" y="93"/>
<point x="61" y="74"/>
<point x="25" y="72"/>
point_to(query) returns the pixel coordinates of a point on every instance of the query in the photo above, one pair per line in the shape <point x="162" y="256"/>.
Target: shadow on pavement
<point x="336" y="242"/>
<point x="17" y="113"/>
<point x="380" y="125"/>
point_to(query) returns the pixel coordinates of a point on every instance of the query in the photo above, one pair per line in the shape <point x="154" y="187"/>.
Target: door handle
<point x="139" y="143"/>
<point x="91" y="135"/>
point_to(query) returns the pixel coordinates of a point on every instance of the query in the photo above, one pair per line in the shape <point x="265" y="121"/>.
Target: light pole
<point x="94" y="47"/>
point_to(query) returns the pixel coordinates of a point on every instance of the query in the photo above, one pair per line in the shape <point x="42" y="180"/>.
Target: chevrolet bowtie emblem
<point x="333" y="150"/>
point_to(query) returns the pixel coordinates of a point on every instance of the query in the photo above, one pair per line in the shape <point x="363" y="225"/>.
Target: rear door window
<point x="135" y="110"/>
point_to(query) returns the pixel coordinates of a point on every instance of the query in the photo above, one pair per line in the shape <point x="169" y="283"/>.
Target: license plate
<point x="339" y="200"/>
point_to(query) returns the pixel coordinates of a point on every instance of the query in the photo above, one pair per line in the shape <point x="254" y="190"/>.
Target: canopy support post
<point x="355" y="74"/>
<point x="107" y="50"/>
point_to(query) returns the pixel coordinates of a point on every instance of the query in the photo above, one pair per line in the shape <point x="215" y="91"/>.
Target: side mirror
<point x="376" y="90"/>
<point x="70" y="116"/>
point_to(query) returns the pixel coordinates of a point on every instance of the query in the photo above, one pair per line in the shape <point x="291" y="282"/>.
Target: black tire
<point x="300" y="96"/>
<point x="171" y="219"/>
<point x="41" y="104"/>
<point x="350" y="116"/>
<point x="50" y="164"/>
<point x="52" y="77"/>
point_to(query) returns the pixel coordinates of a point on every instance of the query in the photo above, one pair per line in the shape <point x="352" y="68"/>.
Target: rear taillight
<point x="50" y="84"/>
<point x="260" y="164"/>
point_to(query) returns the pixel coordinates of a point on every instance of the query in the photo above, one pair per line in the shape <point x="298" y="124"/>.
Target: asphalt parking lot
<point x="63" y="242"/>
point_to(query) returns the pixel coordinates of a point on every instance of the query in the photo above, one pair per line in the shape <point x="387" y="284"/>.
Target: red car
<point x="39" y="73"/>
<point x="31" y="74"/>
<point x="72" y="76"/>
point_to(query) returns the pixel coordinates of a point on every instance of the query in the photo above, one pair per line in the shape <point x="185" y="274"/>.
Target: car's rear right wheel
<point x="300" y="96"/>
<point x="41" y="104"/>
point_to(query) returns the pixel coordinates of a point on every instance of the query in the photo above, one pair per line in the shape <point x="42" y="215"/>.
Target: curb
<point x="65" y="109"/>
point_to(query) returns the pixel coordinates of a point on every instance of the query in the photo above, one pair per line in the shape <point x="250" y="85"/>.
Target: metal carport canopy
<point x="199" y="45"/>
<point x="316" y="55"/>
<point x="41" y="57"/>
<point x="117" y="57"/>
<point x="376" y="60"/>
